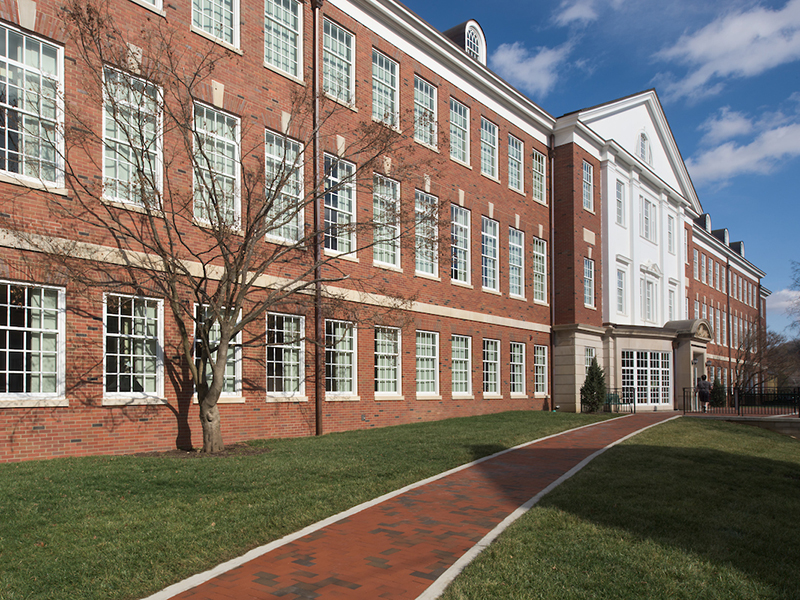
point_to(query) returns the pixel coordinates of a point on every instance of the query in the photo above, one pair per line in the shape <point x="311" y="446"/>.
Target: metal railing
<point x="775" y="401"/>
<point x="618" y="400"/>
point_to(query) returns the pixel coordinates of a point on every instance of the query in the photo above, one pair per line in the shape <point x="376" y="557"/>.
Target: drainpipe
<point x="728" y="332"/>
<point x="552" y="271"/>
<point x="319" y="220"/>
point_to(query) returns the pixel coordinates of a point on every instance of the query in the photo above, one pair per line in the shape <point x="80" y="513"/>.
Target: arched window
<point x="643" y="148"/>
<point x="473" y="43"/>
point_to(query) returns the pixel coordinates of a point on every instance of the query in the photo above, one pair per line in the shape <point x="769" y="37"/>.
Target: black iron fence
<point x="618" y="400"/>
<point x="775" y="401"/>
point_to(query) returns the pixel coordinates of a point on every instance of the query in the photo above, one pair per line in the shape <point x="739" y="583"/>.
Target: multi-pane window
<point x="387" y="360"/>
<point x="516" y="368"/>
<point x="589" y="354"/>
<point x="340" y="356"/>
<point x="340" y="204"/>
<point x="695" y="266"/>
<point x="424" y="112"/>
<point x="133" y="351"/>
<point x="426" y="231"/>
<point x="232" y="376"/>
<point x="710" y="271"/>
<point x="515" y="154"/>
<point x="539" y="270"/>
<point x="217" y="18"/>
<point x="337" y="62"/>
<point x="540" y="369"/>
<point x="588" y="186"/>
<point x="31" y="339"/>
<point x="725" y="339"/>
<point x="648" y="299"/>
<point x="30" y="79"/>
<point x="490" y="248"/>
<point x="459" y="131"/>
<point x="491" y="366"/>
<point x="538" y="177"/>
<point x="384" y="89"/>
<point x="696" y="309"/>
<point x="671" y="307"/>
<point x="648" y="223"/>
<point x="473" y="44"/>
<point x="131" y="143"/>
<point x="717" y="328"/>
<point x="703" y="268"/>
<point x="284" y="185"/>
<point x="621" y="291"/>
<point x="285" y="361"/>
<point x="386" y="209"/>
<point x="588" y="282"/>
<point x="461" y="364"/>
<point x="216" y="176"/>
<point x="620" y="203"/>
<point x="427" y="362"/>
<point x="488" y="148"/>
<point x="282" y="35"/>
<point x="459" y="225"/>
<point x="516" y="262"/>
<point x="671" y="234"/>
<point x="646" y="376"/>
<point x="642" y="147"/>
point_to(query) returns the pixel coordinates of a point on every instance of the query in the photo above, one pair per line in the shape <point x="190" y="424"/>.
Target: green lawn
<point x="689" y="509"/>
<point x="125" y="527"/>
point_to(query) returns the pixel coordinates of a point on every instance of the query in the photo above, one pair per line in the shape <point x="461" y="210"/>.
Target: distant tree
<point x="794" y="307"/>
<point x="718" y="393"/>
<point x="593" y="390"/>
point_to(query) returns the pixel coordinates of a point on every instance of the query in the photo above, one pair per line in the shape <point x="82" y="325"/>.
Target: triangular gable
<point x="625" y="120"/>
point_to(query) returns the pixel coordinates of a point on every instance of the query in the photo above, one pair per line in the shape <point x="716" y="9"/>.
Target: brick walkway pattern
<point x="396" y="549"/>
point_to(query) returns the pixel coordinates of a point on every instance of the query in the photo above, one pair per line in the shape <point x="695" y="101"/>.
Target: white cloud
<point x="762" y="155"/>
<point x="578" y="12"/>
<point x="780" y="302"/>
<point x="535" y="71"/>
<point x="727" y="125"/>
<point x="738" y="44"/>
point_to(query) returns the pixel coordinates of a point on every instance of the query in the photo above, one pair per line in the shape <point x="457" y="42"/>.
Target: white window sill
<point x="351" y="256"/>
<point x="421" y="396"/>
<point x="520" y="192"/>
<point x="122" y="204"/>
<point x="289" y="76"/>
<point x="515" y="297"/>
<point x="522" y="396"/>
<point x="491" y="291"/>
<point x="492" y="396"/>
<point x="232" y="399"/>
<point x="341" y="398"/>
<point x="461" y="162"/>
<point x="286" y="399"/>
<point x="392" y="126"/>
<point x="426" y="145"/>
<point x="216" y="40"/>
<point x="541" y="302"/>
<point x="542" y="202"/>
<point x="491" y="177"/>
<point x="463" y="397"/>
<point x="348" y="105"/>
<point x="388" y="397"/>
<point x="134" y="401"/>
<point x="150" y="7"/>
<point x="427" y="276"/>
<point x="387" y="266"/>
<point x="6" y="402"/>
<point x="279" y="241"/>
<point x="463" y="284"/>
<point x="33" y="184"/>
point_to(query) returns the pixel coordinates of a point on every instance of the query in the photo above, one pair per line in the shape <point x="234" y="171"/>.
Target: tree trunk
<point x="212" y="431"/>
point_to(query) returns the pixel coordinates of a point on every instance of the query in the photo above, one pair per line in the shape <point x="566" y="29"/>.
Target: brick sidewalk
<point x="397" y="548"/>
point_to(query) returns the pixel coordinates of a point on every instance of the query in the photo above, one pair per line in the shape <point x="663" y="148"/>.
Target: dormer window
<point x="473" y="43"/>
<point x="469" y="37"/>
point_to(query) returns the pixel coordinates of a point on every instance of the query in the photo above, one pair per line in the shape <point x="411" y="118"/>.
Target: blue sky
<point x="727" y="73"/>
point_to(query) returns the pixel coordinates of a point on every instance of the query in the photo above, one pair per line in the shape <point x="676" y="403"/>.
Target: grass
<point x="689" y="509"/>
<point x="125" y="527"/>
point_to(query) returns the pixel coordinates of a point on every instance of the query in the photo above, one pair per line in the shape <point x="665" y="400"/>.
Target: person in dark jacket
<point x="704" y="392"/>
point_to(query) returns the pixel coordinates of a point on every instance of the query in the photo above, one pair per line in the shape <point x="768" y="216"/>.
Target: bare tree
<point x="750" y="364"/>
<point x="794" y="307"/>
<point x="222" y="218"/>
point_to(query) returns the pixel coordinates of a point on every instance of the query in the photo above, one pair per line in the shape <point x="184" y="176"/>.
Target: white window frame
<point x="130" y="138"/>
<point x="696" y="264"/>
<point x="234" y="347"/>
<point x="39" y="158"/>
<point x="426" y="234"/>
<point x="114" y="398"/>
<point x="588" y="283"/>
<point x="425" y="108"/>
<point x="620" y="194"/>
<point x="622" y="295"/>
<point x="671" y="234"/>
<point x="385" y="86"/>
<point x="649" y="220"/>
<point x="489" y="148"/>
<point x="459" y="132"/>
<point x="203" y="161"/>
<point x="648" y="296"/>
<point x="283" y="37"/>
<point x="589" y="354"/>
<point x="671" y="305"/>
<point x="388" y="350"/>
<point x="340" y="190"/>
<point x="539" y="175"/>
<point x="283" y="161"/>
<point x="52" y="325"/>
<point x="539" y="370"/>
<point x="338" y="57"/>
<point x="427" y="363"/>
<point x="516" y="369"/>
<point x="539" y="270"/>
<point x="516" y="263"/>
<point x="490" y="254"/>
<point x="516" y="156"/>
<point x="588" y="187"/>
<point x="205" y="22"/>
<point x="461" y="364"/>
<point x="491" y="367"/>
<point x="460" y="244"/>
<point x="282" y="347"/>
<point x="333" y="349"/>
<point x="386" y="217"/>
<point x="710" y="277"/>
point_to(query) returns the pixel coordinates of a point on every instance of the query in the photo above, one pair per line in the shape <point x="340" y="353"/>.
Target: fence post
<point x="736" y="400"/>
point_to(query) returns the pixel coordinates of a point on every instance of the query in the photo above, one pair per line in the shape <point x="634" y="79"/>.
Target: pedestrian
<point x="704" y="391"/>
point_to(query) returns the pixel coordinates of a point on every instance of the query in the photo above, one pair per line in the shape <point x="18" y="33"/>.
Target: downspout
<point x="319" y="324"/>
<point x="728" y="319"/>
<point x="551" y="386"/>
